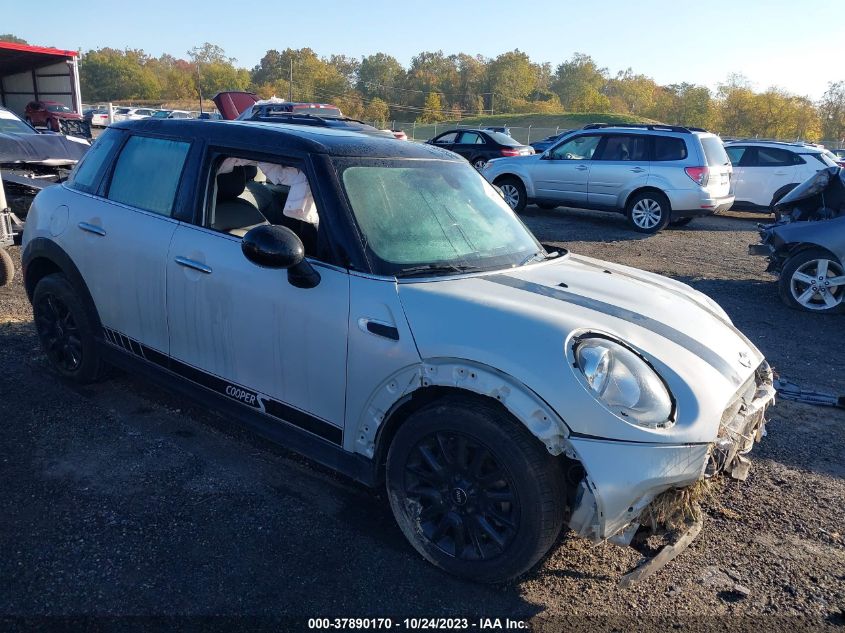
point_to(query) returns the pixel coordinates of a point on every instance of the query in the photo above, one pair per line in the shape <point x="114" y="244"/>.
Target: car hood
<point x="521" y="160"/>
<point x="232" y="102"/>
<point x="520" y="321"/>
<point x="41" y="148"/>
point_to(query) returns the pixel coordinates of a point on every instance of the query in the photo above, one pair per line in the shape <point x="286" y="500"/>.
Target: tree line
<point x="439" y="87"/>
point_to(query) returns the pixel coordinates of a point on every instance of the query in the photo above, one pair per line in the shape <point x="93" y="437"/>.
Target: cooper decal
<point x="238" y="393"/>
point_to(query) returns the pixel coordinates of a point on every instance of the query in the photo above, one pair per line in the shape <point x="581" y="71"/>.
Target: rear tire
<point x="648" y="212"/>
<point x="473" y="491"/>
<point x="66" y="330"/>
<point x="799" y="285"/>
<point x="479" y="163"/>
<point x="7" y="268"/>
<point x="514" y="193"/>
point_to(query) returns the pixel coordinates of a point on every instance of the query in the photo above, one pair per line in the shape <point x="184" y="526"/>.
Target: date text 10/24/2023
<point x="417" y="624"/>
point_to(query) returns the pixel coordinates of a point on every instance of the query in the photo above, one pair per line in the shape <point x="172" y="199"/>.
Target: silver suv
<point x="655" y="174"/>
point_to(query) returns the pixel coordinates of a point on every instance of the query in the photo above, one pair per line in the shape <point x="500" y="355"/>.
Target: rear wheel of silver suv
<point x="648" y="212"/>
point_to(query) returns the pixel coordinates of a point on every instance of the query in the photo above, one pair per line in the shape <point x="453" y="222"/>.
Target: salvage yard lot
<point x="120" y="499"/>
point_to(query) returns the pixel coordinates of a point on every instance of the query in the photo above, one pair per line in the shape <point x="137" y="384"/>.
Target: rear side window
<point x="735" y="153"/>
<point x="86" y="177"/>
<point x="503" y="139"/>
<point x="147" y="173"/>
<point x="447" y="138"/>
<point x="773" y="157"/>
<point x="471" y="138"/>
<point x="623" y="147"/>
<point x="669" y="148"/>
<point x="714" y="151"/>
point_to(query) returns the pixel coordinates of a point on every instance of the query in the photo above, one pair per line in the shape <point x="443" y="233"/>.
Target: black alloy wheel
<point x="67" y="330"/>
<point x="59" y="333"/>
<point x="468" y="506"/>
<point x="472" y="490"/>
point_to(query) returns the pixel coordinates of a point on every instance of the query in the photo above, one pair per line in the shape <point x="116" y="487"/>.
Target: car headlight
<point x="624" y="382"/>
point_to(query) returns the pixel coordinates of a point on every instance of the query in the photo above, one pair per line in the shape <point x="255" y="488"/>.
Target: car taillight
<point x="510" y="152"/>
<point x="699" y="175"/>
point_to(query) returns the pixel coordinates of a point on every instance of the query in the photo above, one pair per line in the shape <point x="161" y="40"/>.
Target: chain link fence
<point x="530" y="134"/>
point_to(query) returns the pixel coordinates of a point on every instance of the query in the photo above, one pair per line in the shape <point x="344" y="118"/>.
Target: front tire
<point x="473" y="491"/>
<point x="66" y="330"/>
<point x="648" y="212"/>
<point x="514" y="193"/>
<point x="813" y="280"/>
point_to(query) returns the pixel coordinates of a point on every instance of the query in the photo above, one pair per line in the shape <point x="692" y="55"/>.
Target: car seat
<point x="232" y="214"/>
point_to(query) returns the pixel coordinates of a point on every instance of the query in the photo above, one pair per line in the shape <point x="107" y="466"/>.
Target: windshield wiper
<point x="539" y="256"/>
<point x="434" y="269"/>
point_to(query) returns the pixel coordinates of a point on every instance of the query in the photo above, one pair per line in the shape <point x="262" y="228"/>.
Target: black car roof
<point x="332" y="141"/>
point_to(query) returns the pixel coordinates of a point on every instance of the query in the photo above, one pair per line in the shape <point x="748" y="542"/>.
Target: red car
<point x="47" y="114"/>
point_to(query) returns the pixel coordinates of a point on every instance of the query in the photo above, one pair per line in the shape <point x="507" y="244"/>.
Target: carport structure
<point x="32" y="73"/>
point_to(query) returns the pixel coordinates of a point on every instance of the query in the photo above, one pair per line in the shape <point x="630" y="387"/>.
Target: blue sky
<point x="788" y="43"/>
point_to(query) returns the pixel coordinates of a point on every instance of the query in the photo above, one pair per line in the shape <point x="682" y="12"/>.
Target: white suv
<point x="765" y="171"/>
<point x="375" y="305"/>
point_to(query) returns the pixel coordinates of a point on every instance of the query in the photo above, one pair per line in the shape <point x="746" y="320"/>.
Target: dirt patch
<point x="123" y="499"/>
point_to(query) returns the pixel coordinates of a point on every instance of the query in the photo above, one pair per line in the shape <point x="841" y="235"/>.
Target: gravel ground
<point x="118" y="499"/>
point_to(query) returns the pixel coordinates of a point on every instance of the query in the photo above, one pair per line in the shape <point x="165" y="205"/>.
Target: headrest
<point x="232" y="184"/>
<point x="250" y="172"/>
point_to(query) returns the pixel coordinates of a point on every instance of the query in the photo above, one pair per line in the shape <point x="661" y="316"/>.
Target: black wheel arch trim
<point x="42" y="248"/>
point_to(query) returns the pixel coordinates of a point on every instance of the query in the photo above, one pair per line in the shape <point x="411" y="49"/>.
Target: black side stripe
<point x="653" y="325"/>
<point x="243" y="395"/>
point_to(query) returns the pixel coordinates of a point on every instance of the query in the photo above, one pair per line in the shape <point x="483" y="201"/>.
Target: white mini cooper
<point x="378" y="307"/>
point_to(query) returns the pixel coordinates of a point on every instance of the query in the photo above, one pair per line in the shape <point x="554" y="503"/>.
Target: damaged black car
<point x="31" y="161"/>
<point x="806" y="245"/>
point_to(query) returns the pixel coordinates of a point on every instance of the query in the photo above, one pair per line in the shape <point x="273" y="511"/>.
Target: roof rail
<point x="771" y="140"/>
<point x="645" y="126"/>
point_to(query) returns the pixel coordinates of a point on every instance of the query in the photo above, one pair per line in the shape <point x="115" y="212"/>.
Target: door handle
<point x="92" y="228"/>
<point x="780" y="173"/>
<point x="379" y="328"/>
<point x="582" y="167"/>
<point x="637" y="170"/>
<point x="195" y="265"/>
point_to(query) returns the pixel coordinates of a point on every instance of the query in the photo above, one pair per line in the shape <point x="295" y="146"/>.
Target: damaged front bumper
<point x="656" y="486"/>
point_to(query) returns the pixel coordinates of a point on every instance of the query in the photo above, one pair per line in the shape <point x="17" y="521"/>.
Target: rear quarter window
<point x="735" y="153"/>
<point x="773" y="157"/>
<point x="147" y="173"/>
<point x="668" y="148"/>
<point x="714" y="151"/>
<point x="89" y="171"/>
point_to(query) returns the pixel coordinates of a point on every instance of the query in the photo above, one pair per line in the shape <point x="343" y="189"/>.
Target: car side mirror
<point x="274" y="246"/>
<point x="547" y="155"/>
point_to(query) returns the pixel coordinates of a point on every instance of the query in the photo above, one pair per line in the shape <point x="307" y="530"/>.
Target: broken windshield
<point x="440" y="214"/>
